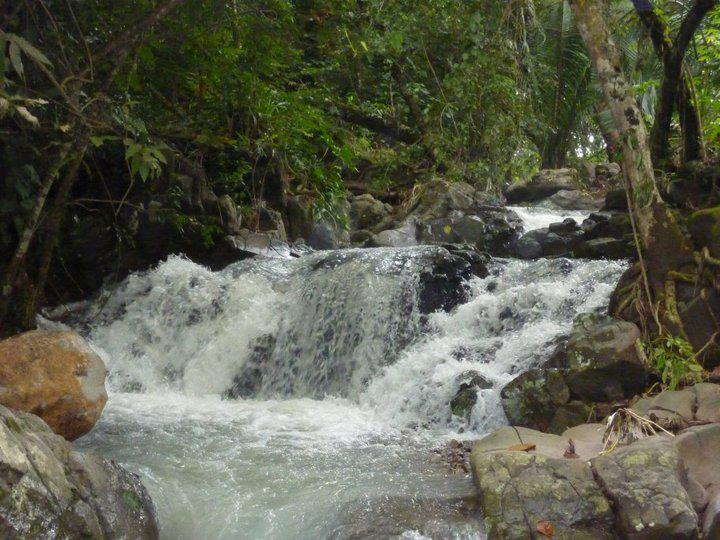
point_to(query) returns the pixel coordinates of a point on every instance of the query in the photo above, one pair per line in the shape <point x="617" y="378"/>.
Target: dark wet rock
<point x="643" y="482"/>
<point x="478" y="261"/>
<point x="568" y="225"/>
<point x="597" y="362"/>
<point x="466" y="397"/>
<point x="48" y="490"/>
<point x="546" y="243"/>
<point x="249" y="382"/>
<point x="543" y="185"/>
<point x="704" y="227"/>
<point x="443" y="285"/>
<point x="616" y="199"/>
<point x="534" y="398"/>
<point x="607" y="225"/>
<point x="320" y="233"/>
<point x="606" y="248"/>
<point x="600" y="359"/>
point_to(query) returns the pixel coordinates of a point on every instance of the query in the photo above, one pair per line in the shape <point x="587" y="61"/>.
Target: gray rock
<point x="267" y="244"/>
<point x="572" y="199"/>
<point x="403" y="236"/>
<point x="518" y="490"/>
<point x="680" y="408"/>
<point x="711" y="519"/>
<point x="543" y="184"/>
<point x="455" y="212"/>
<point x="366" y="212"/>
<point x="600" y="359"/>
<point x="643" y="482"/>
<point x="47" y="490"/>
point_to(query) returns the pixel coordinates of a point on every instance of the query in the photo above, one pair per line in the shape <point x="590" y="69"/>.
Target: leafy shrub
<point x="675" y="360"/>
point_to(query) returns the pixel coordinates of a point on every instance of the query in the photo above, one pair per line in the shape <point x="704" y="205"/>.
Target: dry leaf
<point x="546" y="528"/>
<point x="522" y="447"/>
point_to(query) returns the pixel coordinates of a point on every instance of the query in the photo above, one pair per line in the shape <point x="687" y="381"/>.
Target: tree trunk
<point x="52" y="228"/>
<point x="676" y="86"/>
<point x="663" y="245"/>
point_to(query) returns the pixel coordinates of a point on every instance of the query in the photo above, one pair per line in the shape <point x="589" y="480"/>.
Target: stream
<point x="348" y="402"/>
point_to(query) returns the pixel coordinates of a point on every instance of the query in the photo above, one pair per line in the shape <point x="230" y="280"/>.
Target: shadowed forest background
<point x="130" y="131"/>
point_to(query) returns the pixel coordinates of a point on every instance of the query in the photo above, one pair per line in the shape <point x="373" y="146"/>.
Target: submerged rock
<point x="55" y="375"/>
<point x="466" y="397"/>
<point x="48" y="490"/>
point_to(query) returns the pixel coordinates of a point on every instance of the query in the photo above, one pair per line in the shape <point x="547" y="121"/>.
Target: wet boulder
<point x="469" y="383"/>
<point x="318" y="232"/>
<point x="55" y="375"/>
<point x="540" y="399"/>
<point x="598" y="363"/>
<point x="600" y="359"/>
<point x="557" y="240"/>
<point x="478" y="260"/>
<point x="572" y="199"/>
<point x="616" y="200"/>
<point x="542" y="185"/>
<point x="48" y="490"/>
<point x="442" y="285"/>
<point x="454" y="212"/>
<point x="403" y="236"/>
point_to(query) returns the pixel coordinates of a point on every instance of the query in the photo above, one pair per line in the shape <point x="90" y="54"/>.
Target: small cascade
<point x="276" y="394"/>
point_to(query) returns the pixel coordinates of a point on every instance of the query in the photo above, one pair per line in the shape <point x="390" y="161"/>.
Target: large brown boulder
<point x="56" y="376"/>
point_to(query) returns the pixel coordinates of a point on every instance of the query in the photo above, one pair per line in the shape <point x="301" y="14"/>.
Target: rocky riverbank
<point x="53" y="386"/>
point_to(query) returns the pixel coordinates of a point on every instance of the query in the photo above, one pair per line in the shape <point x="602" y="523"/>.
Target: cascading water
<point x="347" y="384"/>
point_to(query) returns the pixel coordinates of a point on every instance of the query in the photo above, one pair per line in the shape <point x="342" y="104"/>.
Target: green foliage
<point x="675" y="361"/>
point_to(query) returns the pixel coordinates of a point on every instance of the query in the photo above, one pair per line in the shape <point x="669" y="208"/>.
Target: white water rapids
<point x="353" y="395"/>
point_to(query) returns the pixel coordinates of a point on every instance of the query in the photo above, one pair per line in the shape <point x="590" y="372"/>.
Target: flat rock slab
<point x="587" y="439"/>
<point x="699" y="403"/>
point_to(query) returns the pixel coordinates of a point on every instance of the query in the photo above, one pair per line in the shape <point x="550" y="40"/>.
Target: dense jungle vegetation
<point x="111" y="111"/>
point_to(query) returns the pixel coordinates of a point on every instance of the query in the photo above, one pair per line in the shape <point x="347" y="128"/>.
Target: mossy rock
<point x="704" y="227"/>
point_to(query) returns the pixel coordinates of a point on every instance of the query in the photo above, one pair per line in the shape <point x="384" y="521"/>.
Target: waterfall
<point x="269" y="399"/>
